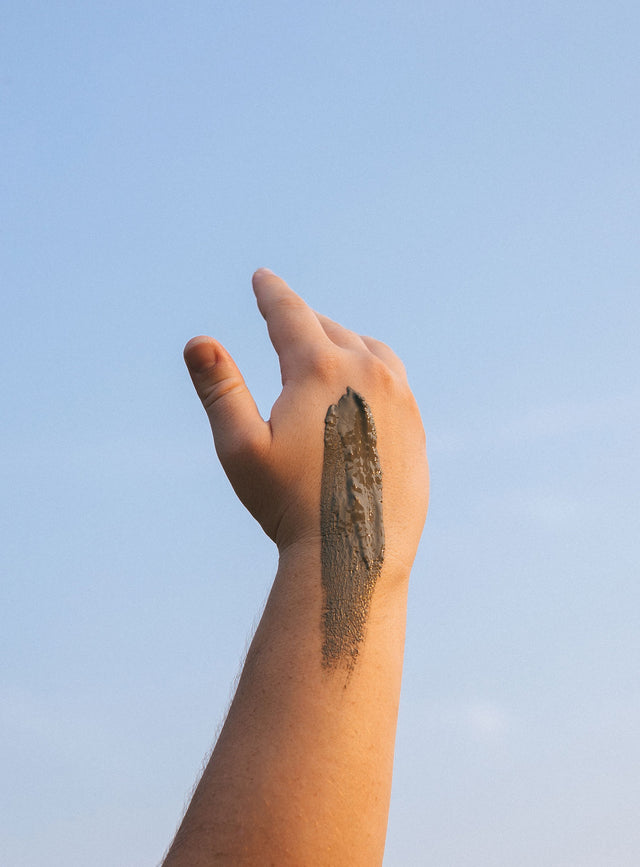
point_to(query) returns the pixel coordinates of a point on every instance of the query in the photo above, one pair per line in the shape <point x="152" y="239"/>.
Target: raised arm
<point x="301" y="772"/>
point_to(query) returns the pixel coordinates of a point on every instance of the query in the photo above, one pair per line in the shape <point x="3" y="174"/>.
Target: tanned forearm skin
<point x="301" y="772"/>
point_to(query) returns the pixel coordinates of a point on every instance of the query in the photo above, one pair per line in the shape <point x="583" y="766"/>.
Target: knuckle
<point x="216" y="393"/>
<point x="322" y="364"/>
<point x="382" y="374"/>
<point x="351" y="336"/>
<point x="381" y="345"/>
<point x="393" y="360"/>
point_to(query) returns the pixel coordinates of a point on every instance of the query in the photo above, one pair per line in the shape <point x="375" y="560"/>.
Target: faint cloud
<point x="549" y="510"/>
<point x="549" y="421"/>
<point x="481" y="719"/>
<point x="448" y="442"/>
<point x="553" y="511"/>
<point x="487" y="720"/>
<point x="55" y="727"/>
<point x="557" y="420"/>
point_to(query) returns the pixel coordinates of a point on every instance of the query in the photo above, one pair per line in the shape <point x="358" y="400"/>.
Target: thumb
<point x="235" y="421"/>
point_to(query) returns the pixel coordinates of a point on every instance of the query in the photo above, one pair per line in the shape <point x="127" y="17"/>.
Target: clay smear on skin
<point x="351" y="526"/>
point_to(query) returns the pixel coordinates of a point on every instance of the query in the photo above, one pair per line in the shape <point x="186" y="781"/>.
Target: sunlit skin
<point x="301" y="772"/>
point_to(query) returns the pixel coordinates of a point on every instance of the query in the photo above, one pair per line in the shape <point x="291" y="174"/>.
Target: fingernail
<point x="264" y="272"/>
<point x="200" y="354"/>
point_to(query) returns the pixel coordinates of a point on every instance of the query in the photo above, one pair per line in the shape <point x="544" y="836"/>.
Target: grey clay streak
<point x="351" y="526"/>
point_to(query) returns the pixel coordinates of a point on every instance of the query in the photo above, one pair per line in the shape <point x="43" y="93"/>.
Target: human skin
<point x="301" y="772"/>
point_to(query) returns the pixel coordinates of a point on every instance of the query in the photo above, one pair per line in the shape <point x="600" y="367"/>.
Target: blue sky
<point x="458" y="179"/>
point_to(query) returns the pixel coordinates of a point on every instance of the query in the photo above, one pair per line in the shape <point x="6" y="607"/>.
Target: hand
<point x="275" y="466"/>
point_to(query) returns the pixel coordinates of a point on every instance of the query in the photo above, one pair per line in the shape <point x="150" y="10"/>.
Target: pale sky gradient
<point x="459" y="179"/>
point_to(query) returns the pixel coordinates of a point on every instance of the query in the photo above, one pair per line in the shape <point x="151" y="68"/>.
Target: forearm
<point x="302" y="770"/>
<point x="338" y="478"/>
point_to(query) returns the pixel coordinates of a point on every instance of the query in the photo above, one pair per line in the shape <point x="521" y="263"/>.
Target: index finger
<point x="292" y="324"/>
